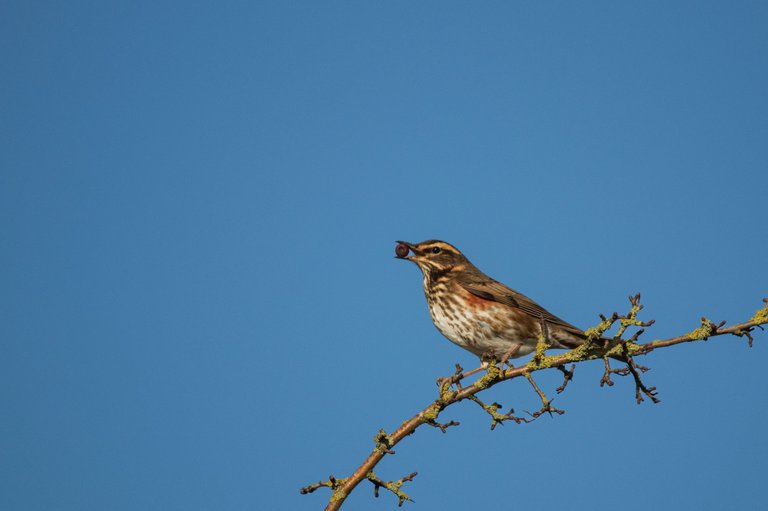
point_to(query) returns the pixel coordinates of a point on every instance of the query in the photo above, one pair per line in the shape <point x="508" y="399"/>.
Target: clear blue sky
<point x="199" y="305"/>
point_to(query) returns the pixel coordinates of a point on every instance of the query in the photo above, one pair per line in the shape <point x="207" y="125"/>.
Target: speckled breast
<point x="480" y="326"/>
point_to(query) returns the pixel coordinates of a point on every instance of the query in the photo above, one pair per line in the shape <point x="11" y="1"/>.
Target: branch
<point x="393" y="486"/>
<point x="595" y="347"/>
<point x="496" y="417"/>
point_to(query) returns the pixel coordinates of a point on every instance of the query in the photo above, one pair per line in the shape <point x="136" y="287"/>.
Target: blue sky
<point x="198" y="207"/>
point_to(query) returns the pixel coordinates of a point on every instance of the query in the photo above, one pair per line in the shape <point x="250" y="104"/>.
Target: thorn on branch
<point x="496" y="417"/>
<point x="567" y="376"/>
<point x="393" y="486"/>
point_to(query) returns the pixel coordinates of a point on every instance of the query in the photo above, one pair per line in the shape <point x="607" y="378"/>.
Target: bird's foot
<point x="509" y="354"/>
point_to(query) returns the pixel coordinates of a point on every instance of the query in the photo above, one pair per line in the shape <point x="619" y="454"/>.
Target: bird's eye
<point x="435" y="250"/>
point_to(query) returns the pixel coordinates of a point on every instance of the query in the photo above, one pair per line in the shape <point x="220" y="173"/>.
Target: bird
<point x="479" y="313"/>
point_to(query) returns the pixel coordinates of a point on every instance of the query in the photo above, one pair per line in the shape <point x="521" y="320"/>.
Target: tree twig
<point x="596" y="347"/>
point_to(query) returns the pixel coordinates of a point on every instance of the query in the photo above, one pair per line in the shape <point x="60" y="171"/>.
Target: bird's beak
<point x="402" y="254"/>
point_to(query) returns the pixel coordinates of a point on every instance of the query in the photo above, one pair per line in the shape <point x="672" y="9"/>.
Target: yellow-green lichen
<point x="541" y="347"/>
<point x="393" y="486"/>
<point x="541" y="361"/>
<point x="431" y="413"/>
<point x="628" y="322"/>
<point x="446" y="393"/>
<point x="706" y="329"/>
<point x="338" y="495"/>
<point x="761" y="316"/>
<point x="596" y="332"/>
<point x="584" y="352"/>
<point x="623" y="348"/>
<point x="492" y="374"/>
<point x="382" y="441"/>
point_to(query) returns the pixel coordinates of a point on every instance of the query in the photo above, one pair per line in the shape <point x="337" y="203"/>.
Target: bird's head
<point x="432" y="256"/>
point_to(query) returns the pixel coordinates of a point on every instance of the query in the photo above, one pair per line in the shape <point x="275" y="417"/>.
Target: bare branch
<point x="606" y="379"/>
<point x="567" y="376"/>
<point x="496" y="417"/>
<point x="596" y="347"/>
<point x="546" y="403"/>
<point x="441" y="427"/>
<point x="393" y="486"/>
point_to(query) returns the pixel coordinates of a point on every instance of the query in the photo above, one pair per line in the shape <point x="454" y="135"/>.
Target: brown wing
<point x="488" y="289"/>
